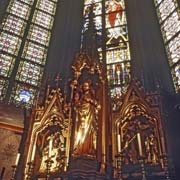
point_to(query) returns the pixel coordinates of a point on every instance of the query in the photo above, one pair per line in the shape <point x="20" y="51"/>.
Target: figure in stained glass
<point x="115" y="11"/>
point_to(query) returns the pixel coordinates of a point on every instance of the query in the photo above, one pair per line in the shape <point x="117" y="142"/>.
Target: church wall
<point x="65" y="38"/>
<point x="3" y="5"/>
<point x="149" y="58"/>
<point x="9" y="145"/>
<point x="171" y="115"/>
<point x="178" y="2"/>
<point x="147" y="49"/>
<point x="11" y="127"/>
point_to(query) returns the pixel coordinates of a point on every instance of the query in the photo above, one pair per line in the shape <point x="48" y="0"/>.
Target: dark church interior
<point x="89" y="89"/>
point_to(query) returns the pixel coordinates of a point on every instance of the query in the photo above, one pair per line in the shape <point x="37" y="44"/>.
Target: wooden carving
<point x="50" y="137"/>
<point x="138" y="128"/>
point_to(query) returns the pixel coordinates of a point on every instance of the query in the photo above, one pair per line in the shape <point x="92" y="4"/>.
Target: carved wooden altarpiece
<point x="49" y="140"/>
<point x="68" y="140"/>
<point x="138" y="134"/>
<point x="89" y="114"/>
<point x="85" y="139"/>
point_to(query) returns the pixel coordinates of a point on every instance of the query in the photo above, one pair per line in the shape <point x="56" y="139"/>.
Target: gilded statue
<point x="151" y="149"/>
<point x="79" y="64"/>
<point x="45" y="155"/>
<point x="87" y="109"/>
<point x="129" y="150"/>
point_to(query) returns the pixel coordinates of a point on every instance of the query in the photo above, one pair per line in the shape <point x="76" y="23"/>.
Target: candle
<point x="119" y="143"/>
<point x="50" y="145"/>
<point x="123" y="72"/>
<point x="17" y="159"/>
<point x="118" y="77"/>
<point x="113" y="73"/>
<point x="33" y="153"/>
<point x="139" y="144"/>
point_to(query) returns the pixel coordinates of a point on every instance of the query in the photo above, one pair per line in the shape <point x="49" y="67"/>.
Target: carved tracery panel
<point x="138" y="136"/>
<point x="48" y="152"/>
<point x="51" y="143"/>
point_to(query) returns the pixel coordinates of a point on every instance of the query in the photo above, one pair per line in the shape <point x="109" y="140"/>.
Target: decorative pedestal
<point x="48" y="167"/>
<point x="30" y="170"/>
<point x="141" y="161"/>
<point x="166" y="167"/>
<point x="119" y="165"/>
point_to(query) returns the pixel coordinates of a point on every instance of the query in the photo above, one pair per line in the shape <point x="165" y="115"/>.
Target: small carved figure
<point x="151" y="149"/>
<point x="45" y="153"/>
<point x="79" y="65"/>
<point x="57" y="152"/>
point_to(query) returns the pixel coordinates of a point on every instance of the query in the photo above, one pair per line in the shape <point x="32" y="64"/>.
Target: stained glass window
<point x="11" y="33"/>
<point x="3" y="88"/>
<point x="43" y="19"/>
<point x="24" y="95"/>
<point x="35" y="53"/>
<point x="118" y="73"/>
<point x="165" y="9"/>
<point x="29" y="73"/>
<point x="14" y="25"/>
<point x="176" y="74"/>
<point x="117" y="41"/>
<point x="173" y="49"/>
<point x="19" y="9"/>
<point x="39" y="35"/>
<point x="171" y="26"/>
<point x="47" y="6"/>
<point x="30" y="2"/>
<point x="17" y="94"/>
<point x="6" y="65"/>
<point x="91" y="1"/>
<point x="9" y="43"/>
<point x="169" y="19"/>
<point x="28" y="29"/>
<point x="118" y="55"/>
<point x="30" y="70"/>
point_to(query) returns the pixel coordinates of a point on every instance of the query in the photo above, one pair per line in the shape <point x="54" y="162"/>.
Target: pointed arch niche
<point x="49" y="139"/>
<point x="137" y="127"/>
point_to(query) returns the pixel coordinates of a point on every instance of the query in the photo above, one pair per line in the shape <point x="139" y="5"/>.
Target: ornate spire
<point x="89" y="40"/>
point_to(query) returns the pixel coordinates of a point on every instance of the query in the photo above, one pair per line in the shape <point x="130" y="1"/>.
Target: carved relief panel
<point x="139" y="137"/>
<point x="50" y="138"/>
<point x="137" y="127"/>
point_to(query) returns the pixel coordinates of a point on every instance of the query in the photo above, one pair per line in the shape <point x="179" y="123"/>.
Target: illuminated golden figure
<point x="45" y="155"/>
<point x="54" y="150"/>
<point x="151" y="149"/>
<point x="86" y="121"/>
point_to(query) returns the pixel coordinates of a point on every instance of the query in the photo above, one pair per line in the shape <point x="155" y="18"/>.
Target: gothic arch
<point x="49" y="139"/>
<point x="138" y="129"/>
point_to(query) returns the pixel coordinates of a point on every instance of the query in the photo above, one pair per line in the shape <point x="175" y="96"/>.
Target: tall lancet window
<point x="169" y="19"/>
<point x="24" y="39"/>
<point x="113" y="42"/>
